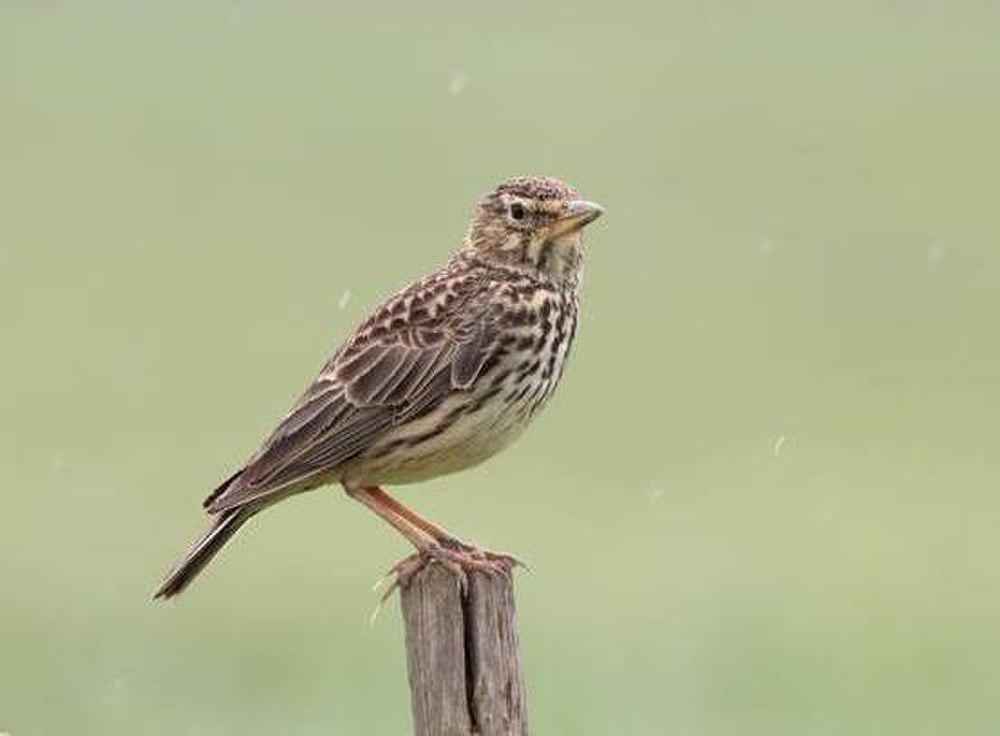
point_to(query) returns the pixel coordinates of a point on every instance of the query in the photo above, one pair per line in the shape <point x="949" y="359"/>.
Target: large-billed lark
<point x="443" y="375"/>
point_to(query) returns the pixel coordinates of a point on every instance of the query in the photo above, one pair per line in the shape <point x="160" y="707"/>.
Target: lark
<point x="440" y="377"/>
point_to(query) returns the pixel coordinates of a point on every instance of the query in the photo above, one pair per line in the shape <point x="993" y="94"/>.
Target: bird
<point x="441" y="376"/>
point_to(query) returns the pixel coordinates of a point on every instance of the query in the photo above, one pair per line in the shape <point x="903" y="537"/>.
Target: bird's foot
<point x="480" y="559"/>
<point x="452" y="554"/>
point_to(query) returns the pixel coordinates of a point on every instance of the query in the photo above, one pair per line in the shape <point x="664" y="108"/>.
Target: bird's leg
<point x="414" y="533"/>
<point x="403" y="571"/>
<point x="433" y="543"/>
<point x="442" y="536"/>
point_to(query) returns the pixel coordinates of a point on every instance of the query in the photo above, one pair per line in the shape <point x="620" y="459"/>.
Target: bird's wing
<point x="400" y="364"/>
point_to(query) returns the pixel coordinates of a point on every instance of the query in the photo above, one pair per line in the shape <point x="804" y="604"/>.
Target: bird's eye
<point x="517" y="211"/>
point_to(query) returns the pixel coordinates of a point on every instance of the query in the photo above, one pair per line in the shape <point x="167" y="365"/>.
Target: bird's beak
<point x="578" y="214"/>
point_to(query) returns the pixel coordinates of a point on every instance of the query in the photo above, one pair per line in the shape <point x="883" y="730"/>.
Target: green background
<point x="765" y="499"/>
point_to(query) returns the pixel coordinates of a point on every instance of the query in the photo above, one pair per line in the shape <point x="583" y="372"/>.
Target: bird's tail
<point x="203" y="550"/>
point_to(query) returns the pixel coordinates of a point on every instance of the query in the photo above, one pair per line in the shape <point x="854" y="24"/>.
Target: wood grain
<point x="463" y="655"/>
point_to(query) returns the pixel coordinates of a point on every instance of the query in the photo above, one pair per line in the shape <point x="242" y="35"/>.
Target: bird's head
<point x="533" y="223"/>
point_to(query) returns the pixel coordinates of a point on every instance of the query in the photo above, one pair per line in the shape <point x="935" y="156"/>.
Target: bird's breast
<point x="468" y="427"/>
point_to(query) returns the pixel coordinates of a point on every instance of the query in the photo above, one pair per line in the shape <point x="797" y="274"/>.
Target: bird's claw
<point x="456" y="556"/>
<point x="500" y="562"/>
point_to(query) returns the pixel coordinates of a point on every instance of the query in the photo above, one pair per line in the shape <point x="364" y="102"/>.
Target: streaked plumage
<point x="440" y="377"/>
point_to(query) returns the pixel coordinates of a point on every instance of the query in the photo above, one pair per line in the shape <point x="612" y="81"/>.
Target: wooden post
<point x="462" y="655"/>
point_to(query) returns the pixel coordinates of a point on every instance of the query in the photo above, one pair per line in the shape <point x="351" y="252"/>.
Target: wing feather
<point x="369" y="382"/>
<point x="391" y="372"/>
<point x="471" y="354"/>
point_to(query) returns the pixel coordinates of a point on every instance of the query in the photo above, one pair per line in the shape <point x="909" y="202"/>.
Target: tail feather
<point x="202" y="551"/>
<point x="222" y="488"/>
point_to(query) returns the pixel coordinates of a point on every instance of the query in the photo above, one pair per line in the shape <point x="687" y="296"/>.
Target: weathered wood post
<point x="463" y="656"/>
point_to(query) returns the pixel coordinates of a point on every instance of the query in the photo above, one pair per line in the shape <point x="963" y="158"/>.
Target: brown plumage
<point x="441" y="376"/>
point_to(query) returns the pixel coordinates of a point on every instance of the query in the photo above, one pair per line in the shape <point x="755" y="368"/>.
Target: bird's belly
<point x="450" y="456"/>
<point x="424" y="449"/>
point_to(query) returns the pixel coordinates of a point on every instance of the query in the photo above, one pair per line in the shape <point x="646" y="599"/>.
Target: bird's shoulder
<point x="447" y="306"/>
<point x="423" y="313"/>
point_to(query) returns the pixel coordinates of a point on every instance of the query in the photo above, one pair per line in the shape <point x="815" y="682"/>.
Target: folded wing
<point x="393" y="371"/>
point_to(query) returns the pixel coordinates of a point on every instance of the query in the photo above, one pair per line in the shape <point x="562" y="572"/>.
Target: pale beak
<point x="578" y="214"/>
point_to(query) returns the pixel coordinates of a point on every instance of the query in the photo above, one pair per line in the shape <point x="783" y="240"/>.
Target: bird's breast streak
<point x="471" y="426"/>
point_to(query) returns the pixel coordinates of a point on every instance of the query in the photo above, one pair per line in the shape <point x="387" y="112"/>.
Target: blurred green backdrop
<point x="765" y="500"/>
